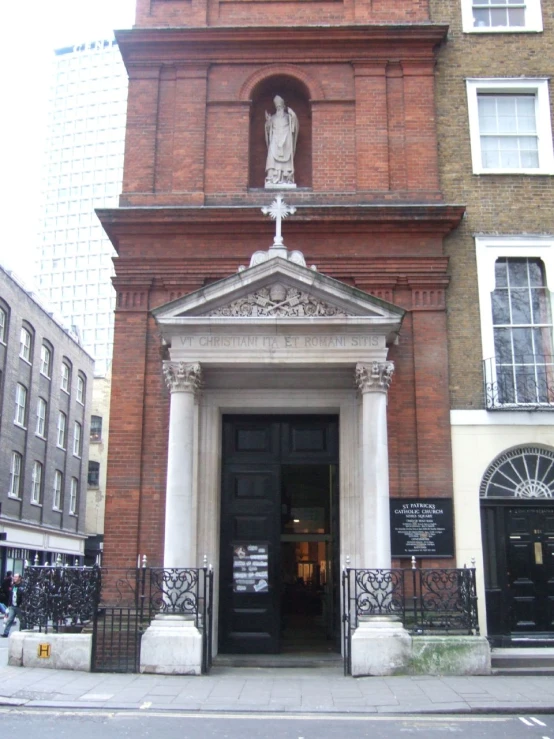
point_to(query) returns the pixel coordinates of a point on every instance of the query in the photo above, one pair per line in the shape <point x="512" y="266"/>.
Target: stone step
<point x="523" y="658"/>
<point x="523" y="671"/>
<point x="278" y="660"/>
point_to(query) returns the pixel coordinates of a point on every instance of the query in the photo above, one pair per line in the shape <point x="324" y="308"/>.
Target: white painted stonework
<point x="67" y="651"/>
<point x="380" y="646"/>
<point x="171" y="645"/>
<point x="279" y="338"/>
<point x="478" y="437"/>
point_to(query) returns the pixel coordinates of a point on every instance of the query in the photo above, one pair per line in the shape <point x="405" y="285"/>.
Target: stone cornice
<point x="433" y="218"/>
<point x="266" y="43"/>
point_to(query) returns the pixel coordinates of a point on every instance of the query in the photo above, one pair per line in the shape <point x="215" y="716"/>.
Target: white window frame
<point x="41" y="418"/>
<point x="533" y="20"/>
<point x="36" y="483"/>
<point x="25" y="344"/>
<point x="3" y="325"/>
<point x="73" y="496"/>
<point x="45" y="364"/>
<point x="65" y="382"/>
<point x="16" y="469"/>
<point x="490" y="248"/>
<point x="77" y="438"/>
<point x="81" y="389"/>
<point x="20" y="405"/>
<point x="57" y="487"/>
<point x="61" y="429"/>
<point x="512" y="86"/>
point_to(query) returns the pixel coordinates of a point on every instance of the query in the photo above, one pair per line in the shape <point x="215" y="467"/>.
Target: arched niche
<point x="296" y="96"/>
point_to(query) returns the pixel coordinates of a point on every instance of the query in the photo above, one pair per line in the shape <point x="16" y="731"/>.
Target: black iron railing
<point x="131" y="598"/>
<point x="425" y="601"/>
<point x="117" y="605"/>
<point x="526" y="383"/>
<point x="59" y="598"/>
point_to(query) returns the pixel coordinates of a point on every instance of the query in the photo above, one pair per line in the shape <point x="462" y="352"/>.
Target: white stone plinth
<point x="67" y="651"/>
<point x="450" y="655"/>
<point x="280" y="186"/>
<point x="380" y="646"/>
<point x="171" y="645"/>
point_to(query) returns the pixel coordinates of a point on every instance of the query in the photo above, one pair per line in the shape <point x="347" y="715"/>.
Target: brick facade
<point x="370" y="211"/>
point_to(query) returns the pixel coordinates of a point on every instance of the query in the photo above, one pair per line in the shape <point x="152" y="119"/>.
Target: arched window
<point x="296" y="96"/>
<point x="523" y="473"/>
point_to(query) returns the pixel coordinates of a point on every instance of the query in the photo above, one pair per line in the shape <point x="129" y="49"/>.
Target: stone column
<point x="373" y="381"/>
<point x="183" y="380"/>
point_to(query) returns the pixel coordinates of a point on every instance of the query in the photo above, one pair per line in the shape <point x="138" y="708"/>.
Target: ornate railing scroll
<point x="425" y="601"/>
<point x="59" y="598"/>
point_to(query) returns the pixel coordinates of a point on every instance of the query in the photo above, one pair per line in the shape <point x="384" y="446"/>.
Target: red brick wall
<point x="197" y="99"/>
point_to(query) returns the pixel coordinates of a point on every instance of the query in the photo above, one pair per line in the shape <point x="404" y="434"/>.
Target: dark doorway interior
<point x="279" y="535"/>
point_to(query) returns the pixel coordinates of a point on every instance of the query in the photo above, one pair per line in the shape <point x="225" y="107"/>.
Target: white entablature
<point x="278" y="311"/>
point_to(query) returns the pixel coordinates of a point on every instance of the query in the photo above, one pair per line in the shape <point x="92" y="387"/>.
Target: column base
<point x="171" y="645"/>
<point x="380" y="646"/>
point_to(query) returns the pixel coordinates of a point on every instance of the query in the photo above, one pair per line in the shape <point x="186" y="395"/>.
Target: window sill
<point x="20" y="425"/>
<point x="503" y="29"/>
<point x="77" y="456"/>
<point x="64" y="390"/>
<point x="14" y="497"/>
<point x="532" y="172"/>
<point x="62" y="448"/>
<point x="40" y="436"/>
<point x="57" y="510"/>
<point x="26" y="361"/>
<point x="37" y="505"/>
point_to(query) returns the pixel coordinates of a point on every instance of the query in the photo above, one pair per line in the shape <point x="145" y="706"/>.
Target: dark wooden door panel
<point x="258" y="453"/>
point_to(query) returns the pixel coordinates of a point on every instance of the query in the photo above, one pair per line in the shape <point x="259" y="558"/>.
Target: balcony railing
<point x="525" y="384"/>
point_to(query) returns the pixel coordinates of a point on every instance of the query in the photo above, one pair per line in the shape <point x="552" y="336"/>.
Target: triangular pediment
<point x="277" y="289"/>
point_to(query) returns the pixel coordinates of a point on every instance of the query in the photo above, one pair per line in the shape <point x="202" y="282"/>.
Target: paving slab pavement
<point x="272" y="690"/>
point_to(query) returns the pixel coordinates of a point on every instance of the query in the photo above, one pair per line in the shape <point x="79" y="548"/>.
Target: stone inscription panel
<point x="423" y="527"/>
<point x="283" y="342"/>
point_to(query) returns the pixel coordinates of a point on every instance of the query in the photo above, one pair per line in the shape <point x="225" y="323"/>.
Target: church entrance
<point x="279" y="567"/>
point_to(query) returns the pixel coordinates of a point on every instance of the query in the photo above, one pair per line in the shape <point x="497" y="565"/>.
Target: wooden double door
<point x="518" y="542"/>
<point x="279" y="569"/>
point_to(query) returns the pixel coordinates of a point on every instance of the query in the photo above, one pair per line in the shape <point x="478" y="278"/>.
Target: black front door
<point x="519" y="568"/>
<point x="279" y="527"/>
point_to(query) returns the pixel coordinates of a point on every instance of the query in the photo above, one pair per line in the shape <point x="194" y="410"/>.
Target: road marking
<point x="146" y="704"/>
<point x="536" y="720"/>
<point x="180" y="714"/>
<point x="527" y="723"/>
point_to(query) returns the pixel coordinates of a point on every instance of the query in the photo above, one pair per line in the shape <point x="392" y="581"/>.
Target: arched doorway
<point x="517" y="516"/>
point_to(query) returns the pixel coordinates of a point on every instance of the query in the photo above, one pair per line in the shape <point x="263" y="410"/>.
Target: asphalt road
<point x="55" y="724"/>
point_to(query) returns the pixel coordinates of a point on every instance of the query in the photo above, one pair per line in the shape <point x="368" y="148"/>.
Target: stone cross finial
<point x="278" y="210"/>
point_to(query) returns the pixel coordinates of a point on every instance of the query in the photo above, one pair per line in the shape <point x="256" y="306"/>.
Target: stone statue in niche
<point x="281" y="134"/>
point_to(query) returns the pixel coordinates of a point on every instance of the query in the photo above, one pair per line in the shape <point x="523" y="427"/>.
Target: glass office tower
<point x="83" y="170"/>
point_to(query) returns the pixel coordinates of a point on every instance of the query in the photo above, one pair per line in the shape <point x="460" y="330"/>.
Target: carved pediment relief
<point x="279" y="301"/>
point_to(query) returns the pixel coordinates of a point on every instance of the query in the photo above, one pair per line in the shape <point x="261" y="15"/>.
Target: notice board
<point x="250" y="567"/>
<point x="422" y="527"/>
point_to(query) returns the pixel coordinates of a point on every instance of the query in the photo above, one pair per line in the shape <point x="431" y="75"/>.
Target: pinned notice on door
<point x="250" y="568"/>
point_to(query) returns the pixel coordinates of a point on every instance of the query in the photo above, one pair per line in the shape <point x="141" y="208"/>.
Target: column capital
<point x="182" y="376"/>
<point x="374" y="377"/>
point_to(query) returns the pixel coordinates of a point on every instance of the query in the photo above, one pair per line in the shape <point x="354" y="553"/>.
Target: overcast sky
<point x="32" y="29"/>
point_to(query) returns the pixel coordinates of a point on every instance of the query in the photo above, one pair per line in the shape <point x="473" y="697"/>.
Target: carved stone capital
<point x="182" y="376"/>
<point x="374" y="377"/>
